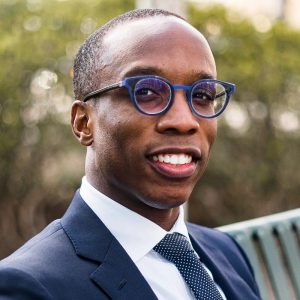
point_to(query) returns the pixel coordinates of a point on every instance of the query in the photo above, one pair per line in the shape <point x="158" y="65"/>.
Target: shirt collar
<point x="136" y="234"/>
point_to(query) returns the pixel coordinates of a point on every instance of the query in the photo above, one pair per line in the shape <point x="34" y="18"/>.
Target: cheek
<point x="212" y="132"/>
<point x="120" y="133"/>
<point x="111" y="122"/>
<point x="209" y="129"/>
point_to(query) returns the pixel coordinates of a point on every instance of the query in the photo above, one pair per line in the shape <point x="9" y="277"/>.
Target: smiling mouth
<point x="174" y="165"/>
<point x="173" y="159"/>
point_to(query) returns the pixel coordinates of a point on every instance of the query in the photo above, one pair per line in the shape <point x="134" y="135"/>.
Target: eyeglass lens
<point x="208" y="98"/>
<point x="153" y="95"/>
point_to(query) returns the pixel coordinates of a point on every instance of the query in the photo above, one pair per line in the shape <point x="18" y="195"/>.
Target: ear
<point x="81" y="123"/>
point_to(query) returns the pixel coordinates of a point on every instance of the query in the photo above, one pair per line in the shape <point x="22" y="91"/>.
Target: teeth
<point x="181" y="159"/>
<point x="167" y="159"/>
<point x="174" y="159"/>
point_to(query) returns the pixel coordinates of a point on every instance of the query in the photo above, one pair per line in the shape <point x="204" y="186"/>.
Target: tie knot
<point x="173" y="246"/>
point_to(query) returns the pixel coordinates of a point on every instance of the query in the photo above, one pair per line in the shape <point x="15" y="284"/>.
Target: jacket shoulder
<point x="37" y="245"/>
<point x="19" y="285"/>
<point x="21" y="272"/>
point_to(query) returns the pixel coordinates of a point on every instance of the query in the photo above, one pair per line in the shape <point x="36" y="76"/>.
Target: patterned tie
<point x="177" y="249"/>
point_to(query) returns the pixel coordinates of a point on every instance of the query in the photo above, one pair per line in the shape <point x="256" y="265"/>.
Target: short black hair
<point x="87" y="62"/>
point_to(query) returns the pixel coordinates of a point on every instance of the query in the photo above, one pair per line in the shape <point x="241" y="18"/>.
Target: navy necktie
<point x="177" y="249"/>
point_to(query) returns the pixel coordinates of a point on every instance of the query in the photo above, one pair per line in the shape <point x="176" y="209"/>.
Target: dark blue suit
<point x="78" y="258"/>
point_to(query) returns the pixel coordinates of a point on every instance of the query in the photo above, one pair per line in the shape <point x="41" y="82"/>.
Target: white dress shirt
<point x="162" y="276"/>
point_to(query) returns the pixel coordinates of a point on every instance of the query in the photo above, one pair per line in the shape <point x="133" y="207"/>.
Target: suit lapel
<point x="224" y="274"/>
<point x="119" y="276"/>
<point x="116" y="273"/>
<point x="218" y="274"/>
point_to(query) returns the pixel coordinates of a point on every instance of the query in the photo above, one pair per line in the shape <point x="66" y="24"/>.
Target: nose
<point x="178" y="119"/>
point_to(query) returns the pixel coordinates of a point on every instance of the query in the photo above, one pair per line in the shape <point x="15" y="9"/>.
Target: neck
<point x="165" y="218"/>
<point x="160" y="214"/>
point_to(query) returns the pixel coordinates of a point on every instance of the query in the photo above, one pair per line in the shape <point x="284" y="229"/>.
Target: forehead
<point x="166" y="44"/>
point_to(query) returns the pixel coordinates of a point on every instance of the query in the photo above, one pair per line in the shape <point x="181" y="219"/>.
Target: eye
<point x="145" y="92"/>
<point x="202" y="95"/>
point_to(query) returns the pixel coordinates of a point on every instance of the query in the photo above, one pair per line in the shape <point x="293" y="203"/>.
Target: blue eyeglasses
<point x="153" y="95"/>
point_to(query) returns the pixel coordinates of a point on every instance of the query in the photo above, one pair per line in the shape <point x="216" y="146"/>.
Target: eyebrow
<point x="143" y="71"/>
<point x="136" y="71"/>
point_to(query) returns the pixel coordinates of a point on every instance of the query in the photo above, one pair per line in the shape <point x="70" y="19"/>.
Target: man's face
<point x="128" y="158"/>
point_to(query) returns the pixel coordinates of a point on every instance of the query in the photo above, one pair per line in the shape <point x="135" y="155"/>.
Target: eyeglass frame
<point x="130" y="83"/>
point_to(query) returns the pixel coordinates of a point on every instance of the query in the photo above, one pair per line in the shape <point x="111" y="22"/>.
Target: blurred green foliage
<point x="41" y="163"/>
<point x="254" y="164"/>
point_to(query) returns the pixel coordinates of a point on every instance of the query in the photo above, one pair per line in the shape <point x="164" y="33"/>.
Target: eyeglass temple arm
<point x="223" y="93"/>
<point x="103" y="90"/>
<point x="220" y="94"/>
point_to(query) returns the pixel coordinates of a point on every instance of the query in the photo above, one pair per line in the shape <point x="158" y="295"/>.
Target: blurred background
<point x="254" y="167"/>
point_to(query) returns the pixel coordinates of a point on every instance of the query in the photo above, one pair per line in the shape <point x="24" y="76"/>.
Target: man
<point x="147" y="104"/>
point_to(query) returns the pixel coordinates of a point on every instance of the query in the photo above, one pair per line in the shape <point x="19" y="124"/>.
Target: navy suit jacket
<point x="77" y="258"/>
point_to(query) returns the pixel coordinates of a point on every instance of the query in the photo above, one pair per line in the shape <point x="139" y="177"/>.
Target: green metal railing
<point x="272" y="244"/>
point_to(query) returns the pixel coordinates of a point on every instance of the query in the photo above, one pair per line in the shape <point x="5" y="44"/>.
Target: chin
<point x="166" y="201"/>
